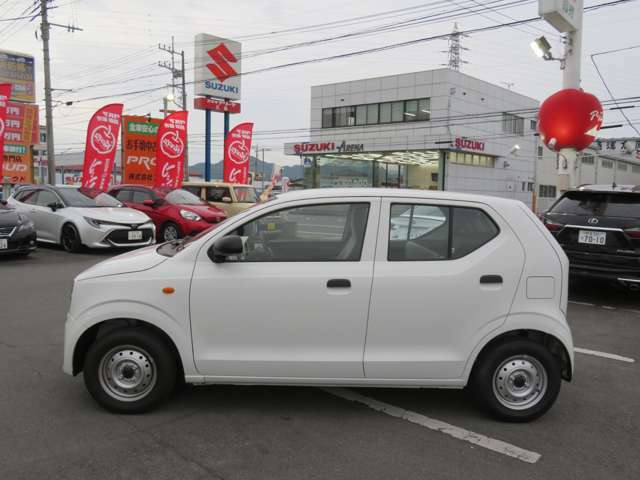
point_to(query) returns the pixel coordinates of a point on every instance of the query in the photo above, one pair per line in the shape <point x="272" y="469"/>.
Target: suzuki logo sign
<point x="217" y="67"/>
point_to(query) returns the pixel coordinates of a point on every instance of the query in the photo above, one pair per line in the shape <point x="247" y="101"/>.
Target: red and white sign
<point x="237" y="152"/>
<point x="570" y="118"/>
<point x="170" y="149"/>
<point x="100" y="150"/>
<point x="466" y="144"/>
<point x="216" y="105"/>
<point x="5" y="93"/>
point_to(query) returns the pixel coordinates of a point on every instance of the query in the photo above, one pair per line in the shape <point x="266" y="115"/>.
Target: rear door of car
<point x="445" y="274"/>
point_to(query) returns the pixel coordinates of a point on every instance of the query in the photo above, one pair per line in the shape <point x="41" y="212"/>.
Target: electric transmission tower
<point x="455" y="49"/>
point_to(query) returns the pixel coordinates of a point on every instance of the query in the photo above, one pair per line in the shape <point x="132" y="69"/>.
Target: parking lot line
<point x="596" y="353"/>
<point x="438" y="426"/>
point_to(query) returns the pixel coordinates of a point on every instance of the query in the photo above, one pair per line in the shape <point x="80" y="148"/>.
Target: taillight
<point x="552" y="226"/>
<point x="633" y="232"/>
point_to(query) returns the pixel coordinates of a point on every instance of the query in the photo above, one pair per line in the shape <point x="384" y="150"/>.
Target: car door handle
<point x="339" y="283"/>
<point x="490" y="279"/>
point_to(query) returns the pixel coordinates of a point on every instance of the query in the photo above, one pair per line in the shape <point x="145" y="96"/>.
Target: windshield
<point x="246" y="194"/>
<point x="596" y="203"/>
<point x="87" y="198"/>
<point x="182" y="197"/>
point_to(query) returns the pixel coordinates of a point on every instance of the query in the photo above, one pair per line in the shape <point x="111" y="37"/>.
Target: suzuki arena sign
<point x="310" y="148"/>
<point x="217" y="67"/>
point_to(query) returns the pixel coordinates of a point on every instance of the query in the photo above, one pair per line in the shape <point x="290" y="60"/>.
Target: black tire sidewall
<point x="163" y="358"/>
<point x="169" y="224"/>
<point x="482" y="378"/>
<point x="75" y="246"/>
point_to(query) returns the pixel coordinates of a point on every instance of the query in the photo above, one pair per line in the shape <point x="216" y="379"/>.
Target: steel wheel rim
<point x="127" y="373"/>
<point x="520" y="382"/>
<point x="68" y="237"/>
<point x="170" y="233"/>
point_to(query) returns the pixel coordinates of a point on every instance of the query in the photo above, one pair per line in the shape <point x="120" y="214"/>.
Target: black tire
<point x="524" y="361"/>
<point x="127" y="345"/>
<point x="70" y="238"/>
<point x="171" y="229"/>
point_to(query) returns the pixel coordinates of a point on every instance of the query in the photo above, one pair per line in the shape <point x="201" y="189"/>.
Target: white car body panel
<point x="277" y="324"/>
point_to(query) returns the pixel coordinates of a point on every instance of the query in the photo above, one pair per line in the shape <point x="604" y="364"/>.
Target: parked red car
<point x="176" y="213"/>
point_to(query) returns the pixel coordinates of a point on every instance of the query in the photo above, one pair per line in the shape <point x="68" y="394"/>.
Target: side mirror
<point x="55" y="206"/>
<point x="148" y="202"/>
<point x="226" y="199"/>
<point x="225" y="247"/>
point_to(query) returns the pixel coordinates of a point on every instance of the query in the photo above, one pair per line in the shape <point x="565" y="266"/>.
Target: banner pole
<point x="207" y="146"/>
<point x="226" y="132"/>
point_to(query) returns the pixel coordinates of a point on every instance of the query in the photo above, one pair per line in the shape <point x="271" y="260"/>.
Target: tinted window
<point x="434" y="232"/>
<point x="215" y="194"/>
<point x="124" y="195"/>
<point x="87" y="198"/>
<point x="182" y="197"/>
<point x="318" y="233"/>
<point x="471" y="229"/>
<point x="139" y="196"/>
<point x="28" y="196"/>
<point x="605" y="204"/>
<point x="45" y="197"/>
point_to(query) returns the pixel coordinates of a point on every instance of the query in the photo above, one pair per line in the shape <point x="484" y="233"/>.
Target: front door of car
<point x="445" y="273"/>
<point x="138" y="197"/>
<point x="295" y="303"/>
<point x="48" y="222"/>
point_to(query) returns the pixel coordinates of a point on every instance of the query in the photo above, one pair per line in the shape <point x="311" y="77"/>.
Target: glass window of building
<point x="424" y="109"/>
<point x="372" y="113"/>
<point x="361" y="115"/>
<point x="607" y="163"/>
<point x="327" y="117"/>
<point x="411" y="110"/>
<point x="512" y="124"/>
<point x="397" y="112"/>
<point x="385" y="112"/>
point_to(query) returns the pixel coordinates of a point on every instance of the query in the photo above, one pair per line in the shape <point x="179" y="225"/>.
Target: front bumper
<point x="117" y="236"/>
<point x="20" y="242"/>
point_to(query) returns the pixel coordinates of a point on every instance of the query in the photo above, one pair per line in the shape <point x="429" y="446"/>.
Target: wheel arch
<point x="91" y="334"/>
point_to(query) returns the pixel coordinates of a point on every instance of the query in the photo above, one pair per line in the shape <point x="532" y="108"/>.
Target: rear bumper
<point x="605" y="273"/>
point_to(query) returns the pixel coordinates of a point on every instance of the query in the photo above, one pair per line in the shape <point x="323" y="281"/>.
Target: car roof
<point x="214" y="184"/>
<point x="610" y="188"/>
<point x="337" y="193"/>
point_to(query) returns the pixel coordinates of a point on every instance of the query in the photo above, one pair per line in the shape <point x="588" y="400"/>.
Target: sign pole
<point x="207" y="145"/>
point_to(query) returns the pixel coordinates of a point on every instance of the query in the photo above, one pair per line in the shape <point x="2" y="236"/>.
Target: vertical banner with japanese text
<point x="170" y="148"/>
<point x="5" y="93"/>
<point x="100" y="149"/>
<point x="139" y="149"/>
<point x="236" y="153"/>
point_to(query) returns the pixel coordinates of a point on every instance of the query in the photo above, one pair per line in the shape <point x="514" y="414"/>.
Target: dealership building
<point x="438" y="129"/>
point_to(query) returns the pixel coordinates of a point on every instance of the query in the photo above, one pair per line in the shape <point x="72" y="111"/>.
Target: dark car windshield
<point x="182" y="197"/>
<point x="87" y="198"/>
<point x="599" y="203"/>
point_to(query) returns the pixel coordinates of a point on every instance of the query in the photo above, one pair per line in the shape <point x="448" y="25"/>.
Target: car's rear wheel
<point x="130" y="370"/>
<point x="517" y="380"/>
<point x="169" y="232"/>
<point x="70" y="239"/>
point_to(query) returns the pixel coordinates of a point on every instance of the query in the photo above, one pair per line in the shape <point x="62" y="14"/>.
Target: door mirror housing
<point x="226" y="199"/>
<point x="55" y="206"/>
<point x="148" y="203"/>
<point x="225" y="247"/>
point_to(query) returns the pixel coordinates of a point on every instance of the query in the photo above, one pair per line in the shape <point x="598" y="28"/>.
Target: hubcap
<point x="520" y="382"/>
<point x="127" y="373"/>
<point x="170" y="233"/>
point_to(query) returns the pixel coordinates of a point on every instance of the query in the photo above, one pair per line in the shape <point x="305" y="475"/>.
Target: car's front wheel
<point x="130" y="370"/>
<point x="70" y="239"/>
<point x="517" y="380"/>
<point x="169" y="232"/>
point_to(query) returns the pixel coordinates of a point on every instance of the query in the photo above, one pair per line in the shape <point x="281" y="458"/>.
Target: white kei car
<point x="72" y="217"/>
<point x="478" y="299"/>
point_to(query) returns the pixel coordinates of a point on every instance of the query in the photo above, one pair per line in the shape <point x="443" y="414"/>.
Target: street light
<point x="542" y="48"/>
<point x="165" y="100"/>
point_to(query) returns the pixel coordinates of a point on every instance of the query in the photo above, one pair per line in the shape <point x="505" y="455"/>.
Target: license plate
<point x="4" y="244"/>
<point x="135" y="235"/>
<point x="591" y="237"/>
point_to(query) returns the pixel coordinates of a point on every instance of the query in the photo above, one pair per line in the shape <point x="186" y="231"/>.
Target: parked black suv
<point x="599" y="229"/>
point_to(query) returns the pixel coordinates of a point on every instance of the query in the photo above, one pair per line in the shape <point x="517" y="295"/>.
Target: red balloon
<point x="569" y="118"/>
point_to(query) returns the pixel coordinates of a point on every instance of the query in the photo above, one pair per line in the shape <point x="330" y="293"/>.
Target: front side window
<point x="313" y="233"/>
<point x="436" y="232"/>
<point x="124" y="194"/>
<point x="139" y="196"/>
<point x="45" y="198"/>
<point x="29" y="197"/>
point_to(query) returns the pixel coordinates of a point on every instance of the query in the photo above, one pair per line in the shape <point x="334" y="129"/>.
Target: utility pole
<point x="177" y="73"/>
<point x="45" y="27"/>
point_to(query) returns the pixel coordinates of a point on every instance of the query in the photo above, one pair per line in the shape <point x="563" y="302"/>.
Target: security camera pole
<point x="566" y="17"/>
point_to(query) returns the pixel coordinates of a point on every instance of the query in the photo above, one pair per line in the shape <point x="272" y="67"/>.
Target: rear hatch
<point x="596" y="227"/>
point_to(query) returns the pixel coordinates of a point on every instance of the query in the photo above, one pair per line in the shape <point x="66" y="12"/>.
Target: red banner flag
<point x="170" y="147"/>
<point x="5" y="93"/>
<point x="100" y="149"/>
<point x="237" y="148"/>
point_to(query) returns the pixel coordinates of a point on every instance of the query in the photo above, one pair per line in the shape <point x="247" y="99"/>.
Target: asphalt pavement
<point x="51" y="428"/>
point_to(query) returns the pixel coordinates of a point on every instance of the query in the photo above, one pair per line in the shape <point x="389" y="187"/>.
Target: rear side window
<point x="124" y="195"/>
<point x="216" y="194"/>
<point x="436" y="232"/>
<point x="28" y="196"/>
<point x="595" y="203"/>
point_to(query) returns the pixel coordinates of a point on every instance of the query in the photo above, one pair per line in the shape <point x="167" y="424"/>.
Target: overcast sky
<point x="119" y="44"/>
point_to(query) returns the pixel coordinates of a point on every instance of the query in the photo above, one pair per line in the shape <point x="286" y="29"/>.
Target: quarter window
<point x="435" y="232"/>
<point x="314" y="233"/>
<point x="216" y="194"/>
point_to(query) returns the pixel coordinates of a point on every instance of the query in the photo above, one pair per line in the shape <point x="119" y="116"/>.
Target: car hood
<point x="130" y="262"/>
<point x="8" y="217"/>
<point x="113" y="214"/>
<point x="207" y="212"/>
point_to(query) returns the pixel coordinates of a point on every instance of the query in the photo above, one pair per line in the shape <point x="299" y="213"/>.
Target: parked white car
<point x="312" y="288"/>
<point x="73" y="216"/>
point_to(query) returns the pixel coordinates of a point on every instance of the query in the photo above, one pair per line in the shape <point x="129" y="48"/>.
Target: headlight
<point x="189" y="215"/>
<point x="95" y="223"/>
